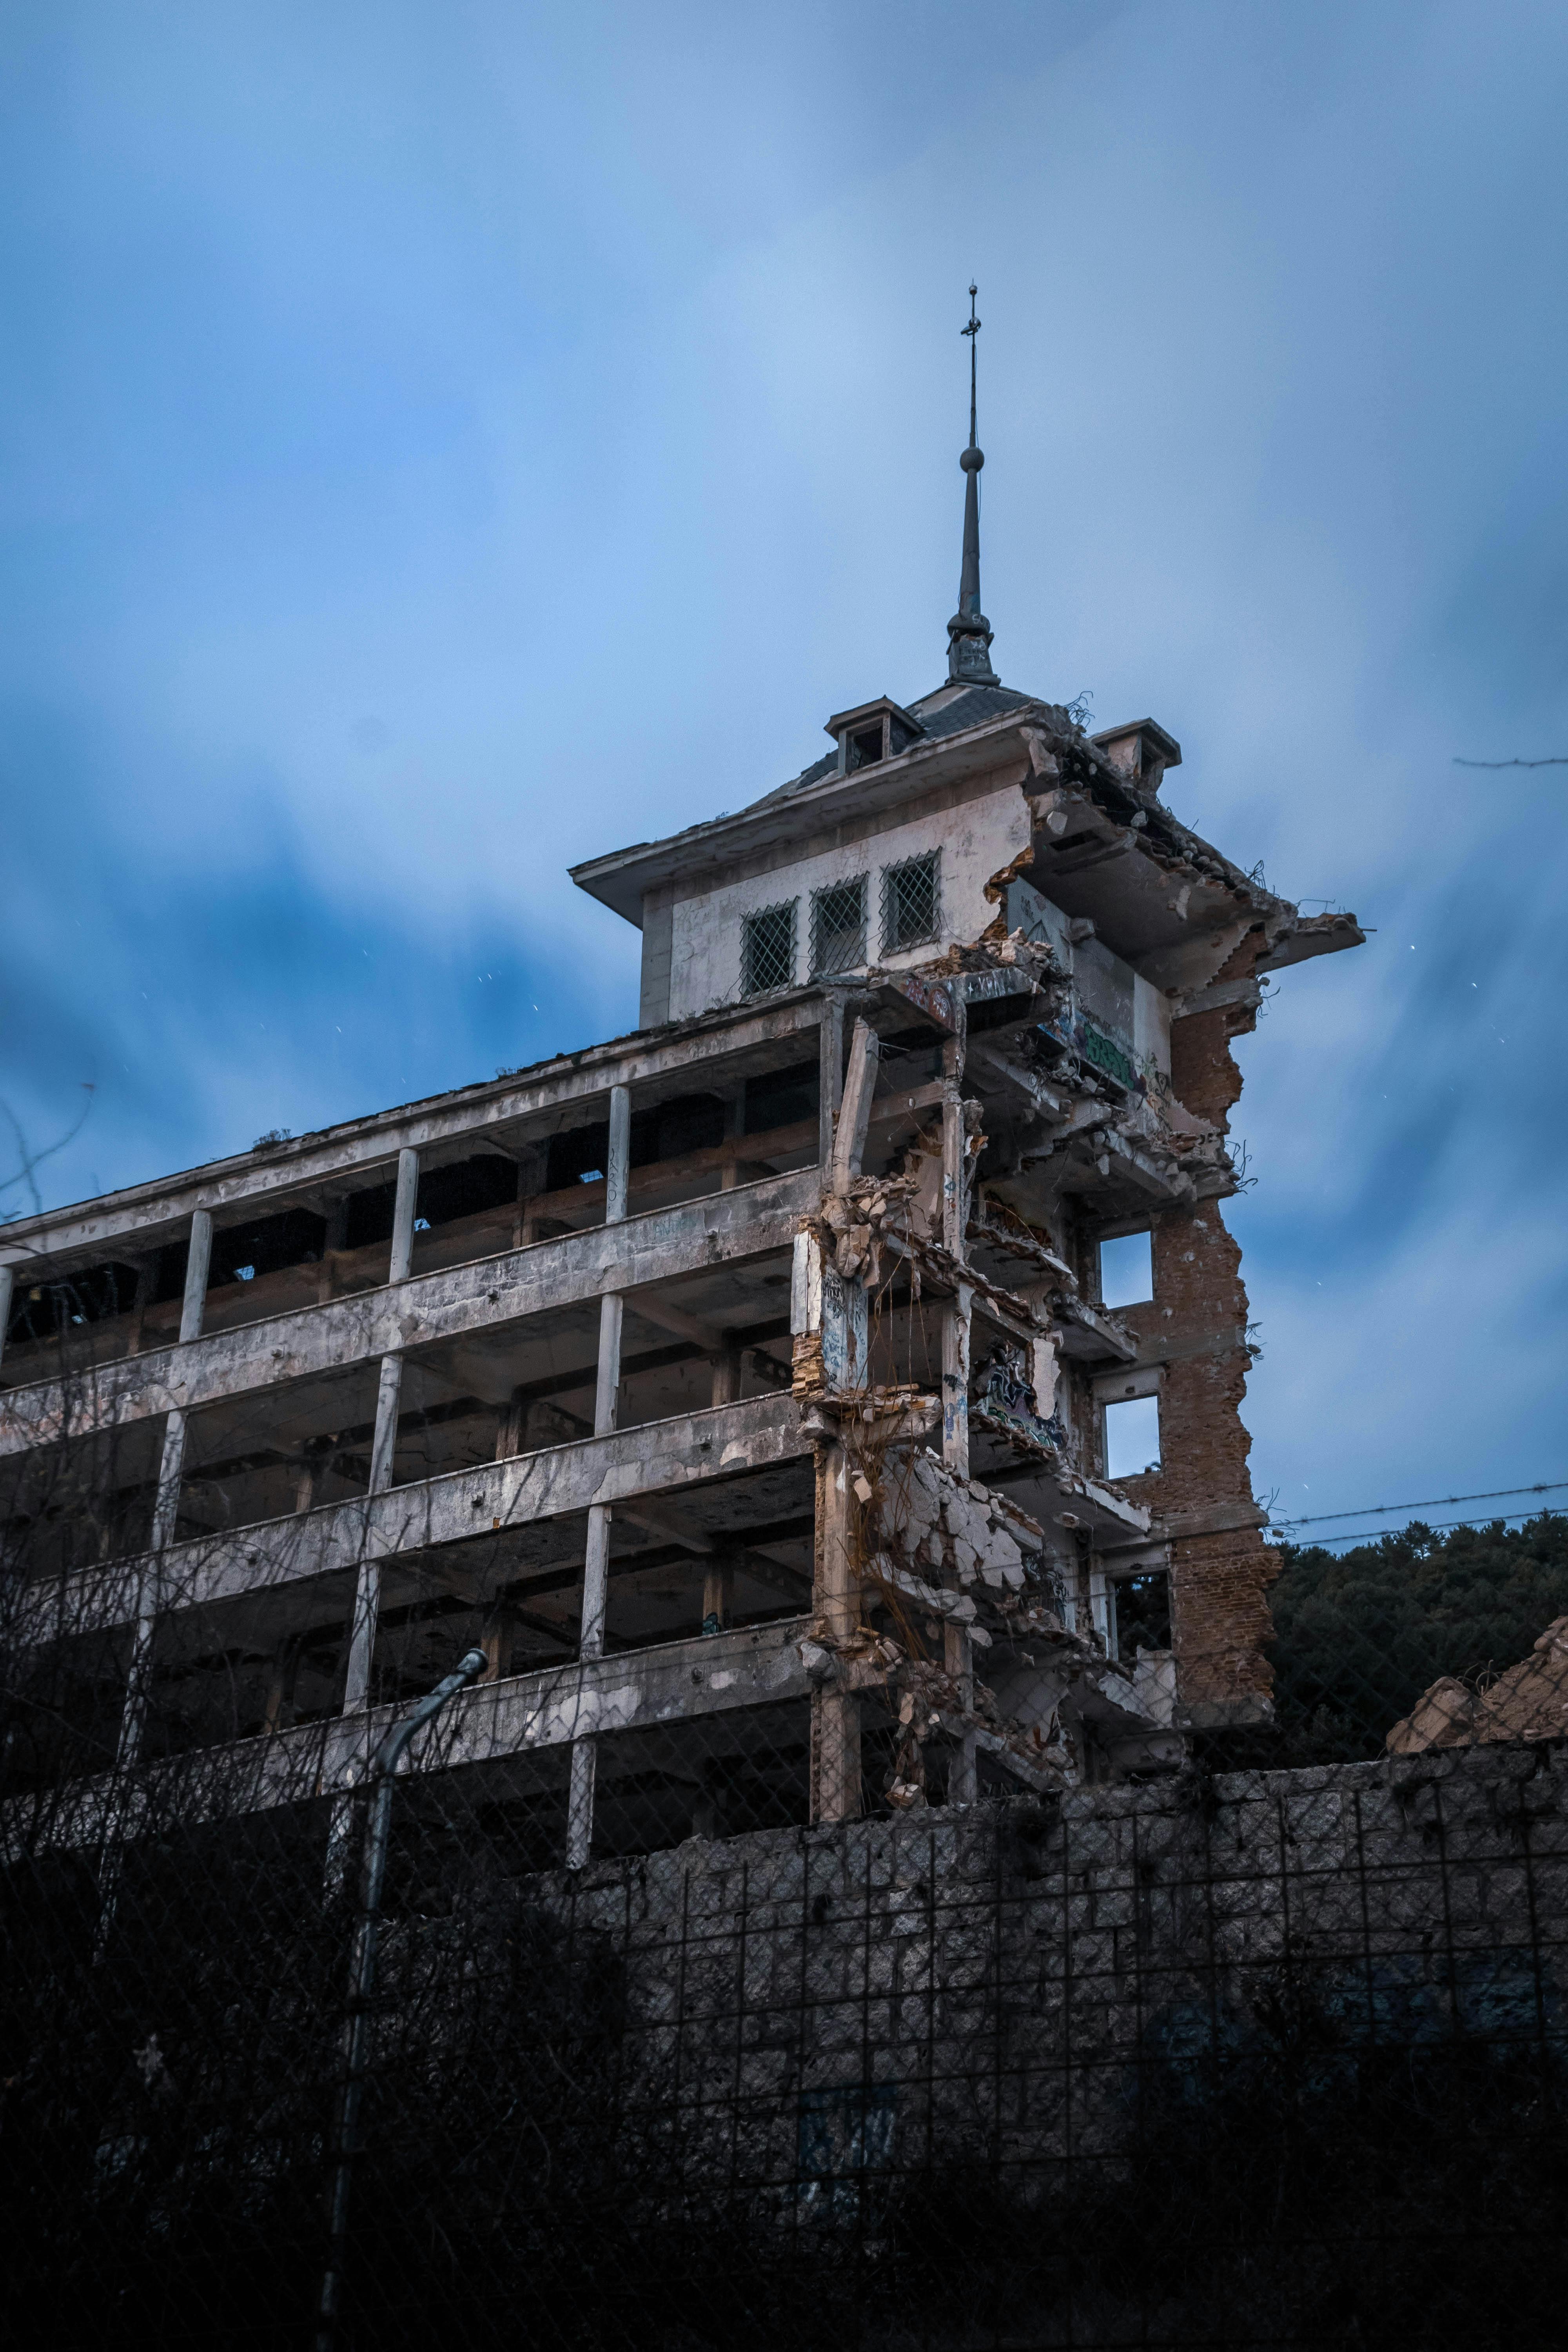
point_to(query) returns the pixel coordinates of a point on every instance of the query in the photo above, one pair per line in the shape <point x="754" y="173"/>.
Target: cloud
<point x="440" y="454"/>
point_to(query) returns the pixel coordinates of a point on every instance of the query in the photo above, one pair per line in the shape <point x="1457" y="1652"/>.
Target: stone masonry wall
<point x="809" y="2013"/>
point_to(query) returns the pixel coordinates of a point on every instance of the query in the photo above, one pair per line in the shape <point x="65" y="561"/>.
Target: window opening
<point x="783" y="1098"/>
<point x="767" y="949"/>
<point x="1127" y="1269"/>
<point x="1131" y="1437"/>
<point x="1142" y="1613"/>
<point x="839" y="926"/>
<point x="866" y="747"/>
<point x="245" y="1252"/>
<point x="910" y="902"/>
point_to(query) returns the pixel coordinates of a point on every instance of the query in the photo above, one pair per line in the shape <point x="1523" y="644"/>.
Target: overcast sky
<point x="441" y="442"/>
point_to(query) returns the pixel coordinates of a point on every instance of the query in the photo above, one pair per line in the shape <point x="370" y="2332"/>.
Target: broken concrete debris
<point x="1527" y="1701"/>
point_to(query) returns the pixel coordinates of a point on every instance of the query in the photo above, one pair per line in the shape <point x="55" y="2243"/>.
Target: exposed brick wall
<point x="1197" y="1326"/>
<point x="1203" y="1074"/>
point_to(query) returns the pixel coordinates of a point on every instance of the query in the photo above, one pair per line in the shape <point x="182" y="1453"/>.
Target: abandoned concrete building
<point x="754" y="1388"/>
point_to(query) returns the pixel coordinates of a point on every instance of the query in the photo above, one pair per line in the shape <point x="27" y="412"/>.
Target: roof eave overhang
<point x="621" y="880"/>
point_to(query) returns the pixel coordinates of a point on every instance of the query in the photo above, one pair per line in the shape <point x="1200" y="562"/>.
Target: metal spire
<point x="969" y="631"/>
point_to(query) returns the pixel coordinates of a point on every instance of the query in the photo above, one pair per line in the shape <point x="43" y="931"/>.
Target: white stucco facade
<point x="976" y="839"/>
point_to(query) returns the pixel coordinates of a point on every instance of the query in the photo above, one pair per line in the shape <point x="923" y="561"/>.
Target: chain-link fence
<point x="1247" y="2059"/>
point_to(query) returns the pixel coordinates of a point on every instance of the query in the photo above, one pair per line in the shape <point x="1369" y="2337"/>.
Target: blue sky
<point x="440" y="443"/>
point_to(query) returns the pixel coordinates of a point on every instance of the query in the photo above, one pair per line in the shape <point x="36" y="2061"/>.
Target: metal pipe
<point x="362" y="1983"/>
<point x="597" y="1550"/>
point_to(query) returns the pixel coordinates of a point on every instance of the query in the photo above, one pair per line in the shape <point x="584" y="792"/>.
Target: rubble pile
<point x="1528" y="1701"/>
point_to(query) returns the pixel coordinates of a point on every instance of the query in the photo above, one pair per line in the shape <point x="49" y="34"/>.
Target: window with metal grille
<point x="910" y="902"/>
<point x="839" y="926"/>
<point x="767" y="949"/>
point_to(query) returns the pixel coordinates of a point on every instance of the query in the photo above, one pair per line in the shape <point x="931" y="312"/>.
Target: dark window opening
<point x="669" y="1130"/>
<point x="866" y="747"/>
<point x="463" y="1188"/>
<point x="783" y="1098"/>
<point x="466" y="1188"/>
<point x="910" y="902"/>
<point x="368" y="1216"/>
<point x="1142" y="1613"/>
<point x="665" y="1131"/>
<point x="46" y="1310"/>
<point x="577" y="1157"/>
<point x="240" y="1253"/>
<point x="839" y="926"/>
<point x="996" y="1013"/>
<point x="767" y="949"/>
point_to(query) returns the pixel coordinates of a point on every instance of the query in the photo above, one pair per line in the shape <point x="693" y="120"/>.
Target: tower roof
<point x="969" y="631"/>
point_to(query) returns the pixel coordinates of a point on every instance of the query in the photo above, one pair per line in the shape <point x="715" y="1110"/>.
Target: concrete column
<point x="308" y="1479"/>
<point x="139" y="1306"/>
<point x="166" y="1506"/>
<point x="533" y="1159"/>
<point x="277" y="1711"/>
<point x="958" y="1651"/>
<point x="835" y="1599"/>
<point x="830" y="1062"/>
<point x="956" y="1328"/>
<point x="8" y="1284"/>
<point x="956" y="1310"/>
<point x="335" y="1216"/>
<point x="718" y="1599"/>
<point x="726" y="1386"/>
<point x="734" y="1127"/>
<point x="198" y="1260"/>
<point x="596" y="1554"/>
<point x="171" y="1477"/>
<point x="403" y="1209"/>
<point x="383" y="1446"/>
<point x="496" y="1642"/>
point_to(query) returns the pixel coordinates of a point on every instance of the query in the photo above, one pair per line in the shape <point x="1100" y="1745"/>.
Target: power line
<point x="1377" y="1510"/>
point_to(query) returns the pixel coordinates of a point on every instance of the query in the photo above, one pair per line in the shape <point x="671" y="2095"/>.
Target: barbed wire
<point x="1431" y="1502"/>
<point x="1437" y="1526"/>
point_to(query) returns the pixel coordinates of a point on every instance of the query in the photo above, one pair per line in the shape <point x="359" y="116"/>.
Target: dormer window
<point x="873" y="733"/>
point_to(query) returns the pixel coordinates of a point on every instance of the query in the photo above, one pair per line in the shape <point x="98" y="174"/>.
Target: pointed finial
<point x="969" y="631"/>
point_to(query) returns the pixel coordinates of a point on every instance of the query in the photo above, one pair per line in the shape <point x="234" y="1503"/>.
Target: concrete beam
<point x="677" y="1681"/>
<point x="721" y="1228"/>
<point x="855" y="1110"/>
<point x="340" y="1538"/>
<point x="363" y="1150"/>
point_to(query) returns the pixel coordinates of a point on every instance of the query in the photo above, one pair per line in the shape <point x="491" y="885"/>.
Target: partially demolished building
<point x="744" y="1385"/>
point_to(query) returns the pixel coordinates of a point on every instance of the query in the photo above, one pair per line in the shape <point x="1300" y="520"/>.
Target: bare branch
<point x="1558" y="759"/>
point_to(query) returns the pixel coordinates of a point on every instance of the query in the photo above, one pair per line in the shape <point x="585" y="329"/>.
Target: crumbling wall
<point x="1220" y="1567"/>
